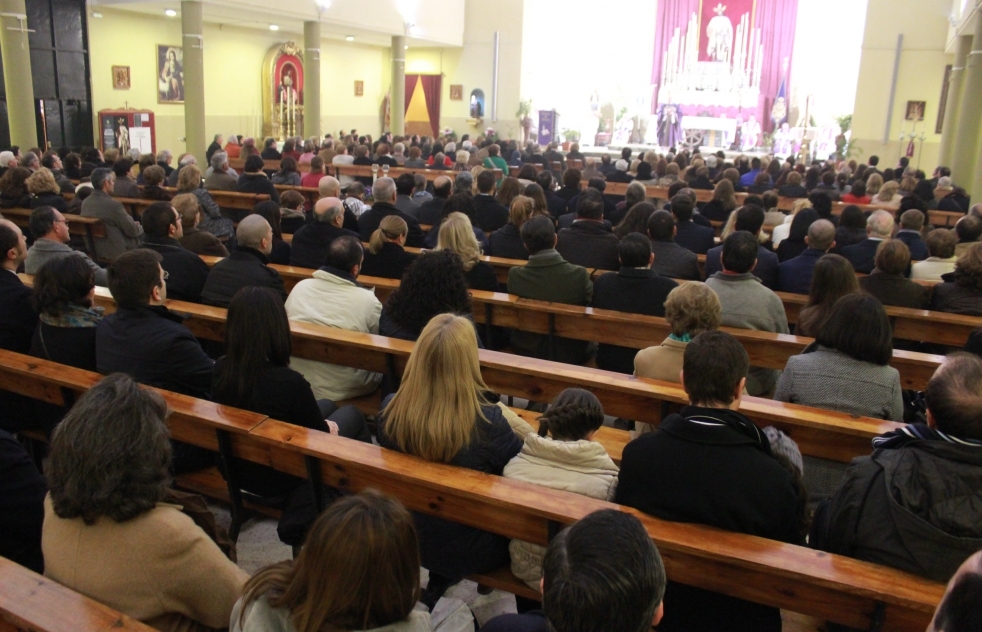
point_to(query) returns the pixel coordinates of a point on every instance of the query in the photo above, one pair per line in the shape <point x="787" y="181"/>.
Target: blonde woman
<point x="45" y="191"/>
<point x="189" y="181"/>
<point x="386" y="256"/>
<point x="506" y="242"/>
<point x="457" y="236"/>
<point x="873" y="184"/>
<point x="888" y="196"/>
<point x="781" y="231"/>
<point x="440" y="414"/>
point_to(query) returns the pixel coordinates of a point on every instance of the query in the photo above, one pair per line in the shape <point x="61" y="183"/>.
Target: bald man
<point x="329" y="187"/>
<point x="312" y="241"/>
<point x="795" y="275"/>
<point x="246" y="266"/>
<point x="959" y="608"/>
<point x="17" y="317"/>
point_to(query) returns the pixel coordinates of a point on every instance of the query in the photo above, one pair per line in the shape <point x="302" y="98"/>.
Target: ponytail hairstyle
<point x="573" y="415"/>
<point x="390" y="229"/>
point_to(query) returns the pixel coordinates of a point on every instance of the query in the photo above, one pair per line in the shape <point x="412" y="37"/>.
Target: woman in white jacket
<point x="562" y="456"/>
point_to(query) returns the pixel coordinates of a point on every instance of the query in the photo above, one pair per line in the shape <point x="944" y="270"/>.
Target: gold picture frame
<point x="915" y="111"/>
<point x="121" y="77"/>
<point x="359" y="88"/>
<point x="456" y="93"/>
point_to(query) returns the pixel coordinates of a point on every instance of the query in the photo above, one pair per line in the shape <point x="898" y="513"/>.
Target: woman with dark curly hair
<point x="13" y="188"/>
<point x="108" y="533"/>
<point x="63" y="291"/>
<point x="434" y="284"/>
<point x="961" y="292"/>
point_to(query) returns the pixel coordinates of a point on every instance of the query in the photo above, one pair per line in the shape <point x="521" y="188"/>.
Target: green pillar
<point x="17" y="74"/>
<point x="398" y="100"/>
<point x="194" y="80"/>
<point x="949" y="132"/>
<point x="969" y="114"/>
<point x="312" y="79"/>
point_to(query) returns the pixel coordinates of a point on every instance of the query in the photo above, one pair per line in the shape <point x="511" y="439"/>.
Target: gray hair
<point x="464" y="182"/>
<point x="334" y="209"/>
<point x="384" y="189"/>
<point x="189" y="159"/>
<point x="635" y="194"/>
<point x="99" y="177"/>
<point x="111" y="454"/>
<point x="164" y="156"/>
<point x="821" y="234"/>
<point x="218" y="160"/>
<point x="134" y="154"/>
<point x="30" y="159"/>
<point x="251" y="231"/>
<point x="880" y="224"/>
<point x="398" y="148"/>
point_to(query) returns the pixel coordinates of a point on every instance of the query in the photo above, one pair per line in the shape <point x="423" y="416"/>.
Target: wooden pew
<point x="89" y="228"/>
<point x="782" y="575"/>
<point x="310" y="194"/>
<point x="819" y="433"/>
<point x="365" y="171"/>
<point x="29" y="601"/>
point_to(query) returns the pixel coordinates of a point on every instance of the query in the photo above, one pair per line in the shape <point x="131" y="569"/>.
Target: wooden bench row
<point x="786" y="576"/>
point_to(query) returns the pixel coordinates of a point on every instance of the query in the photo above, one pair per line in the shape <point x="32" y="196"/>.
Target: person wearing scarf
<point x="916" y="502"/>
<point x="711" y="465"/>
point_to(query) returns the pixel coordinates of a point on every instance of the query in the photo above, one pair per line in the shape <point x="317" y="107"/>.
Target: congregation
<point x="853" y="241"/>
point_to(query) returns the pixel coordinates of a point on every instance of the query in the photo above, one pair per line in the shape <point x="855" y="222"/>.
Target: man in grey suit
<point x="548" y="277"/>
<point x="671" y="259"/>
<point x="122" y="233"/>
<point x="51" y="230"/>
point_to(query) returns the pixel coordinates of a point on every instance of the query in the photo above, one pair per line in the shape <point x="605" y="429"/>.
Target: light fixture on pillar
<point x="274" y="27"/>
<point x="96" y="14"/>
<point x="349" y="38"/>
<point x="171" y="13"/>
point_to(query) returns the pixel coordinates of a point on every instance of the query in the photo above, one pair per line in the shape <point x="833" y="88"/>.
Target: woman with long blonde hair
<point x="368" y="540"/>
<point x="212" y="221"/>
<point x="386" y="256"/>
<point x="457" y="236"/>
<point x="888" y="196"/>
<point x="441" y="413"/>
<point x="873" y="184"/>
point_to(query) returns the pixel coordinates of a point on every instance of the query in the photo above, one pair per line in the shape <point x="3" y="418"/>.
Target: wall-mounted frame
<point x="915" y="111"/>
<point x="359" y="88"/>
<point x="121" y="77"/>
<point x="170" y="74"/>
<point x="456" y="93"/>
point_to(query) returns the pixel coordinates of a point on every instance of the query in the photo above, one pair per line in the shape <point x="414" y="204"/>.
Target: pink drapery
<point x="432" y="87"/>
<point x="777" y="20"/>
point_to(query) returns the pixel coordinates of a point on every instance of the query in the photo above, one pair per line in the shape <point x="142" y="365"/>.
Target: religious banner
<point x="727" y="30"/>
<point x="283" y="81"/>
<point x="548" y="119"/>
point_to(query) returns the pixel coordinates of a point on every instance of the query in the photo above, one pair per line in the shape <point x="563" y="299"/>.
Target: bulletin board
<point x="126" y="129"/>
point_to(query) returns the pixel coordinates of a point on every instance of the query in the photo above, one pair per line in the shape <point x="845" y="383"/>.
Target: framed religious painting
<point x="456" y="93"/>
<point x="170" y="74"/>
<point x="915" y="111"/>
<point x="121" y="77"/>
<point x="359" y="88"/>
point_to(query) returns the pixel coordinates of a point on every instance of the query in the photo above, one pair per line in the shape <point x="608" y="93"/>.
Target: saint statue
<point x="123" y="137"/>
<point x="719" y="33"/>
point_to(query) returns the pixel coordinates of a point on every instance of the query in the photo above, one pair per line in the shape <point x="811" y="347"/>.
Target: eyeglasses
<point x="166" y="275"/>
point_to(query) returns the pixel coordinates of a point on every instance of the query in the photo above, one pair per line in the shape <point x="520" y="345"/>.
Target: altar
<point x="709" y="131"/>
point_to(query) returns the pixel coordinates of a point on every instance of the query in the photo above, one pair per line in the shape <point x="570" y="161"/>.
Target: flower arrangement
<point x="491" y="135"/>
<point x="449" y="134"/>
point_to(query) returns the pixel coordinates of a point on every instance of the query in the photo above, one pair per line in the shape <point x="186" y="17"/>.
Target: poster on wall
<point x="170" y="74"/>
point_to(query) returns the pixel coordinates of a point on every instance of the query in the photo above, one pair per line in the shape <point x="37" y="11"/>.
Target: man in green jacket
<point x="549" y="277"/>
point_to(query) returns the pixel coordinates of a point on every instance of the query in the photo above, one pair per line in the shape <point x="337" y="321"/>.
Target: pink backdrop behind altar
<point x="777" y="20"/>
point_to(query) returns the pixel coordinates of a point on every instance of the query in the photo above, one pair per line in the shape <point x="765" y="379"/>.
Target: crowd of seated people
<point x="912" y="504"/>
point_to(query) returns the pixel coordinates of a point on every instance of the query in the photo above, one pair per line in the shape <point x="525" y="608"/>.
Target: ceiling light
<point x="274" y="27"/>
<point x="96" y="14"/>
<point x="349" y="38"/>
<point x="322" y="4"/>
<point x="407" y="46"/>
<point x="170" y="13"/>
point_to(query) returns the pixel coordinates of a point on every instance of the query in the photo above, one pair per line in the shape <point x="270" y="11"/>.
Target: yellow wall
<point x="233" y="65"/>
<point x="924" y="25"/>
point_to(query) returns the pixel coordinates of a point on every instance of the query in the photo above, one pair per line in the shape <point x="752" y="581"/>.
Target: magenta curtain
<point x="671" y="15"/>
<point x="777" y="20"/>
<point x="432" y="86"/>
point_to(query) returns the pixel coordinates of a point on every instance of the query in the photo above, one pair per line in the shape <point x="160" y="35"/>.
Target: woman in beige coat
<point x="562" y="456"/>
<point x="106" y="532"/>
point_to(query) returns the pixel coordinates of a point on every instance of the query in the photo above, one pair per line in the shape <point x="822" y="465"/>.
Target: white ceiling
<point x="371" y="22"/>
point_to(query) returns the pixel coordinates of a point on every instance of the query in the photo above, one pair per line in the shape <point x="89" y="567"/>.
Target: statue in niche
<point x="283" y="96"/>
<point x="719" y="35"/>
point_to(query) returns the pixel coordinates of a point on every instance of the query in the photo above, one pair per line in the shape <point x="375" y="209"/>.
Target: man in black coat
<point x="698" y="239"/>
<point x="216" y="145"/>
<point x="599" y="184"/>
<point x="431" y="211"/>
<point x="255" y="180"/>
<point x="187" y="272"/>
<point x="750" y="218"/>
<point x="149" y="342"/>
<point x="635" y="288"/>
<point x="862" y="256"/>
<point x="384" y="192"/>
<point x="489" y="214"/>
<point x="17" y="317"/>
<point x="589" y="242"/>
<point x="22" y="491"/>
<point x="245" y="266"/>
<point x="795" y="275"/>
<point x="310" y="243"/>
<point x="748" y="489"/>
<point x="555" y="204"/>
<point x="671" y="260"/>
